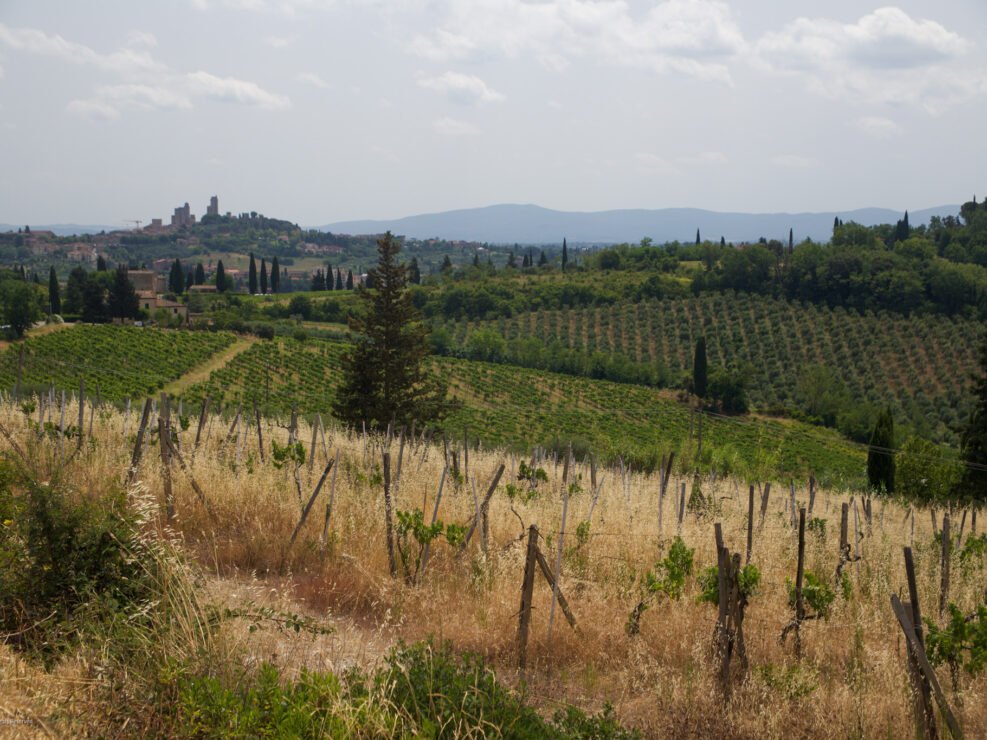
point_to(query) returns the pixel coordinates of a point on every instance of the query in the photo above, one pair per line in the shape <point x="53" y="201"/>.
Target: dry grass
<point x="852" y="680"/>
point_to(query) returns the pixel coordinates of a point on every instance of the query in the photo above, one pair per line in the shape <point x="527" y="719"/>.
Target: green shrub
<point x="60" y="552"/>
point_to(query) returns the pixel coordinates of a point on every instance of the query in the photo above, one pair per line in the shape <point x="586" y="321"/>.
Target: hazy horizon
<point x="320" y="111"/>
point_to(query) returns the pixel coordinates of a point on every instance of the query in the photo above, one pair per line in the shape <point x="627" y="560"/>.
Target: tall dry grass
<point x="852" y="680"/>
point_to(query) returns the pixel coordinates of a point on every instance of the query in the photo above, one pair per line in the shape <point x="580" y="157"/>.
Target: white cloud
<point x="793" y="161"/>
<point x="144" y="96"/>
<point x="706" y="158"/>
<point x="650" y="164"/>
<point x="885" y="56"/>
<point x="142" y="38"/>
<point x="454" y="127"/>
<point x="460" y="88"/>
<point x="693" y="37"/>
<point x="93" y="110"/>
<point x="313" y="79"/>
<point x="878" y="127"/>
<point x="33" y="41"/>
<point x="279" y="42"/>
<point x="233" y="90"/>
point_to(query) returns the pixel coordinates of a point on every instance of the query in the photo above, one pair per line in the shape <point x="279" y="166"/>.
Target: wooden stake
<point x="164" y="434"/>
<point x="203" y="415"/>
<point x="750" y="524"/>
<point x="799" y="602"/>
<point x="558" y="560"/>
<point x="311" y="501"/>
<point x="389" y="516"/>
<point x="944" y="566"/>
<point x="260" y="434"/>
<point x="138" y="445"/>
<point x="435" y="515"/>
<point x="527" y="593"/>
<point x="324" y="539"/>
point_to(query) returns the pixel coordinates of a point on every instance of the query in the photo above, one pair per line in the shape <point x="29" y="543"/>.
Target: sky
<point x="325" y="110"/>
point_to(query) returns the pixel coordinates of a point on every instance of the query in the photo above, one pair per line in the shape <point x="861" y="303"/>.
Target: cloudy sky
<point x="324" y="110"/>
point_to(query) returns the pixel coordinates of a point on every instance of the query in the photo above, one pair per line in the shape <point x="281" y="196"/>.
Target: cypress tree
<point x="252" y="276"/>
<point x="263" y="276"/>
<point x="176" y="278"/>
<point x="54" y="299"/>
<point x="384" y="373"/>
<point x="122" y="299"/>
<point x="791" y="240"/>
<point x="446" y="264"/>
<point x="880" y="454"/>
<point x="414" y="272"/>
<point x="318" y="280"/>
<point x="189" y="279"/>
<point x="476" y="259"/>
<point x="697" y="237"/>
<point x="565" y="254"/>
<point x="723" y="241"/>
<point x="330" y="282"/>
<point x="349" y="280"/>
<point x="100" y="264"/>
<point x="699" y="368"/>
<point x="220" y="277"/>
<point x="339" y="279"/>
<point x="275" y="276"/>
<point x="512" y="260"/>
<point x="542" y="259"/>
<point x="200" y="274"/>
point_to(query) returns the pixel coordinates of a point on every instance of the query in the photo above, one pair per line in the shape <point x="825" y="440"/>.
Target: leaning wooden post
<point x="812" y="493"/>
<point x="389" y="515"/>
<point x="527" y="592"/>
<point x="944" y="566"/>
<point x="202" y="422"/>
<point x="922" y="689"/>
<point x="750" y="524"/>
<point x="82" y="411"/>
<point x="139" y="444"/>
<point x="799" y="601"/>
<point x="435" y="515"/>
<point x="324" y="539"/>
<point x="164" y="434"/>
<point x="764" y="504"/>
<point x="260" y="434"/>
<point x="681" y="507"/>
<point x="558" y="557"/>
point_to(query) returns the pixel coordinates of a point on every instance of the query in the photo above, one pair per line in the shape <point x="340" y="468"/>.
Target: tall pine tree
<point x="252" y="276"/>
<point x="176" y="278"/>
<point x="565" y="254"/>
<point x="880" y="454"/>
<point x="54" y="298"/>
<point x="200" y="274"/>
<point x="275" y="276"/>
<point x="384" y="374"/>
<point x="263" y="276"/>
<point x="220" y="277"/>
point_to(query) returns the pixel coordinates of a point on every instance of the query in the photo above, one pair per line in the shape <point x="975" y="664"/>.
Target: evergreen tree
<point x="414" y="272"/>
<point x="524" y="261"/>
<point x="100" y="264"/>
<point x="368" y="281"/>
<point x="54" y="299"/>
<point x="189" y="279"/>
<point x="697" y="237"/>
<point x="318" y="280"/>
<point x="263" y="276"/>
<point x="75" y="289"/>
<point x="836" y="223"/>
<point x="542" y="259"/>
<point x="122" y="301"/>
<point x="723" y="241"/>
<point x="176" y="278"/>
<point x="339" y="279"/>
<point x="973" y="441"/>
<point x="565" y="254"/>
<point x="699" y="369"/>
<point x="384" y="375"/>
<point x="220" y="277"/>
<point x="330" y="281"/>
<point x="791" y="240"/>
<point x="349" y="280"/>
<point x="94" y="309"/>
<point x="252" y="276"/>
<point x="511" y="260"/>
<point x="275" y="276"/>
<point x="880" y="454"/>
<point x="446" y="264"/>
<point x="200" y="274"/>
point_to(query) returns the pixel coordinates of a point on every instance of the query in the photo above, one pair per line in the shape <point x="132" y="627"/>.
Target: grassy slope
<point x="516" y="407"/>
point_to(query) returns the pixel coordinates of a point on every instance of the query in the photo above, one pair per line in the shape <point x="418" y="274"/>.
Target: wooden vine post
<point x="921" y="691"/>
<point x="728" y="636"/>
<point x="389" y="515"/>
<point x="944" y="566"/>
<point x="164" y="435"/>
<point x="534" y="558"/>
<point x="750" y="524"/>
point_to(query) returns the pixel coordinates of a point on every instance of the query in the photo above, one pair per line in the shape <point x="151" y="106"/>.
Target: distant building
<point x="183" y="217"/>
<point x="152" y="304"/>
<point x="85" y="253"/>
<point x="213" y="209"/>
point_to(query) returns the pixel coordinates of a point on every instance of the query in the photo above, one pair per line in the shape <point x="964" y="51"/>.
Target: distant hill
<point x="62" y="229"/>
<point x="531" y="224"/>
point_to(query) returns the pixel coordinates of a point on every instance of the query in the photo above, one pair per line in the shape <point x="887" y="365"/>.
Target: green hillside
<point x="116" y="361"/>
<point x="519" y="408"/>
<point x="920" y="365"/>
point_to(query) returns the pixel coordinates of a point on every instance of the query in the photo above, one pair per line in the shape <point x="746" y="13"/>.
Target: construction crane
<point x="137" y="223"/>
